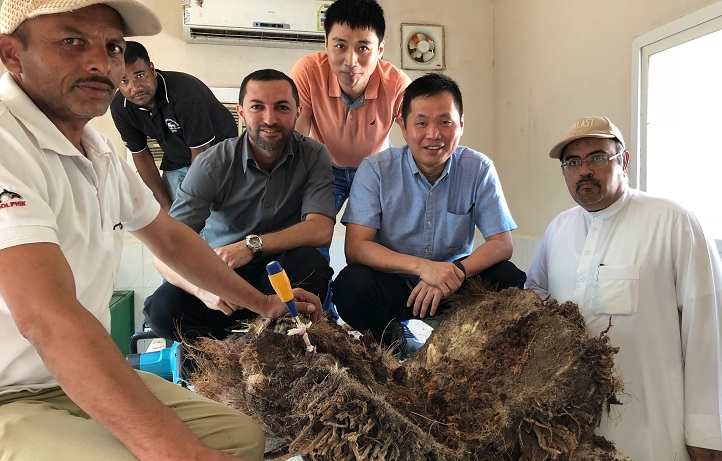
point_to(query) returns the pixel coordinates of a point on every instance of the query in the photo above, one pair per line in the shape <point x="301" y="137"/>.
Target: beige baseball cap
<point x="587" y="127"/>
<point x="138" y="19"/>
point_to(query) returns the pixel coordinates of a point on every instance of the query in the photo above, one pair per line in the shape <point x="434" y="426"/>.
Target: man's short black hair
<point x="267" y="75"/>
<point x="135" y="51"/>
<point x="357" y="14"/>
<point x="431" y="84"/>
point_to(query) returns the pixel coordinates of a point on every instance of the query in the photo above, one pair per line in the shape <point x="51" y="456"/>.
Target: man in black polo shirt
<point x="177" y="110"/>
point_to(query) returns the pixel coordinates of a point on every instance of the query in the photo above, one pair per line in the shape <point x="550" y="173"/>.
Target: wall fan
<point x="422" y="47"/>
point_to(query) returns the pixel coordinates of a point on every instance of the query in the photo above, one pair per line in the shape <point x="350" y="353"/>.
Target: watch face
<point x="254" y="243"/>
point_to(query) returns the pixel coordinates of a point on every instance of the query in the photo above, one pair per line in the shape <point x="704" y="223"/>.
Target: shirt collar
<point x="415" y="168"/>
<point x="46" y="134"/>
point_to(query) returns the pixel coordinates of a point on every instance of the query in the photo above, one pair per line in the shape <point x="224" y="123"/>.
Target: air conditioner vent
<point x="262" y="23"/>
<point x="258" y="37"/>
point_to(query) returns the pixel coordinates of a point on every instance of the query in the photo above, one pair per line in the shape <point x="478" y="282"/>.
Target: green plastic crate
<point x="122" y="319"/>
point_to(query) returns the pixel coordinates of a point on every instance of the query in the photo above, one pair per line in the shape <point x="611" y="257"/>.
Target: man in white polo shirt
<point x="66" y="391"/>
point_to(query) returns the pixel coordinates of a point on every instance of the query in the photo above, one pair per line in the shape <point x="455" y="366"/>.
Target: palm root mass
<point x="504" y="376"/>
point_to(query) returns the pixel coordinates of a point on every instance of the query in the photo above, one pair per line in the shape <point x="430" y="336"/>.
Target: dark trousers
<point x="368" y="299"/>
<point x="175" y="314"/>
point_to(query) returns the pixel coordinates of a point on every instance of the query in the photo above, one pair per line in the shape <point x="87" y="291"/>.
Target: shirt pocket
<point x="616" y="290"/>
<point x="459" y="230"/>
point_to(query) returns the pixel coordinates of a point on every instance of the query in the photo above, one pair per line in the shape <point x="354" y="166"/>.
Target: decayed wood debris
<point x="503" y="376"/>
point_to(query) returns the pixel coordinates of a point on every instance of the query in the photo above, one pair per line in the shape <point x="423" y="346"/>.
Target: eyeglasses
<point x="594" y="161"/>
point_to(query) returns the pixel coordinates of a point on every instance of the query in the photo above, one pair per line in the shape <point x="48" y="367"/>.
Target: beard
<point x="589" y="191"/>
<point x="270" y="146"/>
<point x="589" y="197"/>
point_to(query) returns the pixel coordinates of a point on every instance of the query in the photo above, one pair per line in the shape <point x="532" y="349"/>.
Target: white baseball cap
<point x="138" y="19"/>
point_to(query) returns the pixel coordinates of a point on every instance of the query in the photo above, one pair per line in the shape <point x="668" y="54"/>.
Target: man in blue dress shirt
<point x="411" y="216"/>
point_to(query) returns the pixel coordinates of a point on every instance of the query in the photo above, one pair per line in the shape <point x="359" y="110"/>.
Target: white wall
<point x="557" y="60"/>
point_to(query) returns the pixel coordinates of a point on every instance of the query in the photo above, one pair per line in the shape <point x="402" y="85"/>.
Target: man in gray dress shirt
<point x="265" y="195"/>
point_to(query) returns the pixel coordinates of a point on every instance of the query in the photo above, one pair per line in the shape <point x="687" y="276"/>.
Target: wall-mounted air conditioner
<point x="270" y="23"/>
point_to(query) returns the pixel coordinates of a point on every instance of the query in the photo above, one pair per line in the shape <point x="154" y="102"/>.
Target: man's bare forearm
<point x="197" y="264"/>
<point x="80" y="354"/>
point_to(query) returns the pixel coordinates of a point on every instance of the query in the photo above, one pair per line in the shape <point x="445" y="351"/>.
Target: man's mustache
<point x="269" y="127"/>
<point x="97" y="79"/>
<point x="588" y="180"/>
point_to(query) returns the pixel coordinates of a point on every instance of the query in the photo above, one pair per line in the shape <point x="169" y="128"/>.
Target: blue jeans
<point x="342" y="180"/>
<point x="172" y="179"/>
<point x="327" y="305"/>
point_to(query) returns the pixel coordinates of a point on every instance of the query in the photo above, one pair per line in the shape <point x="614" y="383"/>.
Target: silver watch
<point x="254" y="243"/>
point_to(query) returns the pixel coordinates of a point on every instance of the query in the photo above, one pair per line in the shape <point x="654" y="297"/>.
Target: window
<point x="679" y="114"/>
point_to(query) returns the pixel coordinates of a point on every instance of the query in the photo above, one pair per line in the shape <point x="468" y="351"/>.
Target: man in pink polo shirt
<point x="350" y="97"/>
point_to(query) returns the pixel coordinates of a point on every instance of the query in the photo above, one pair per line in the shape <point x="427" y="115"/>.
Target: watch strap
<point x="458" y="264"/>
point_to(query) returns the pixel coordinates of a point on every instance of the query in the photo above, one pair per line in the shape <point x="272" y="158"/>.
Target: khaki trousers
<point x="47" y="425"/>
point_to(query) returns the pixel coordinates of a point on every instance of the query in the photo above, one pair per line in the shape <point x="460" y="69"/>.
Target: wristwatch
<point x="255" y="244"/>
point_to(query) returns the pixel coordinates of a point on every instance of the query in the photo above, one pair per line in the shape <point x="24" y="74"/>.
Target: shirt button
<point x="430" y="194"/>
<point x="594" y="229"/>
<point x="581" y="279"/>
<point x="426" y="251"/>
<point x="268" y="205"/>
<point x="587" y="252"/>
<point x="428" y="222"/>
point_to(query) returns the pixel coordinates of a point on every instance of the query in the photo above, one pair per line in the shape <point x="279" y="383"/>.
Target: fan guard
<point x="420" y="47"/>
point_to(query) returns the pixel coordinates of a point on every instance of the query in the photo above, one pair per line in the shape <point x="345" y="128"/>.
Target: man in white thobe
<point x="645" y="263"/>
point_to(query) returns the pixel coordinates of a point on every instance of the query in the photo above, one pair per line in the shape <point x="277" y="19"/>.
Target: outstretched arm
<point x="74" y="345"/>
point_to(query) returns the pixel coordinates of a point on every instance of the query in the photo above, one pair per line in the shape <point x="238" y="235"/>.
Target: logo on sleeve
<point x="10" y="199"/>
